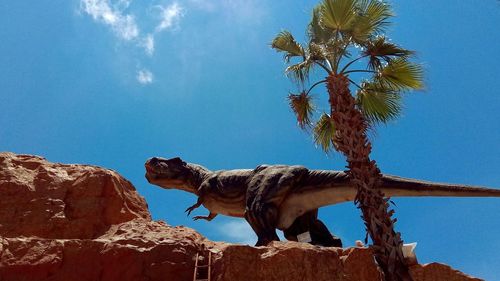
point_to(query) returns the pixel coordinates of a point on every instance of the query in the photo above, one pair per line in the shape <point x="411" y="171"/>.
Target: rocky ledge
<point x="77" y="222"/>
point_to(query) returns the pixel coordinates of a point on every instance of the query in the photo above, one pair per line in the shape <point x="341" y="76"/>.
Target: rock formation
<point x="76" y="222"/>
<point x="48" y="200"/>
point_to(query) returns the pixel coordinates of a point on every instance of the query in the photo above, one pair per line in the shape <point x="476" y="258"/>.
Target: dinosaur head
<point x="168" y="173"/>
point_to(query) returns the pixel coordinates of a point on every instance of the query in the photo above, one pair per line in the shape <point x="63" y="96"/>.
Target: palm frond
<point x="316" y="32"/>
<point x="371" y="18"/>
<point x="284" y="42"/>
<point x="361" y="29"/>
<point x="324" y="132"/>
<point x="300" y="71"/>
<point x="380" y="49"/>
<point x="400" y="74"/>
<point x="338" y="15"/>
<point x="377" y="12"/>
<point x="303" y="107"/>
<point x="377" y="104"/>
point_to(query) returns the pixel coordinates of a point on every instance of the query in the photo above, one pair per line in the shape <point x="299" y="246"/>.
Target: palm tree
<point x="343" y="34"/>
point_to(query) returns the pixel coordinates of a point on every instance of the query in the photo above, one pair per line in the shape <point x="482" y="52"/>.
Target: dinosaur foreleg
<point x="263" y="221"/>
<point x="198" y="204"/>
<point x="210" y="217"/>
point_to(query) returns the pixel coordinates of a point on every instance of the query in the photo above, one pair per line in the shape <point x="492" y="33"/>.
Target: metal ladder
<point x="202" y="271"/>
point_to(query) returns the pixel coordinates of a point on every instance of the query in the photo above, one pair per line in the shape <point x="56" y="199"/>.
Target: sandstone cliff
<point x="76" y="222"/>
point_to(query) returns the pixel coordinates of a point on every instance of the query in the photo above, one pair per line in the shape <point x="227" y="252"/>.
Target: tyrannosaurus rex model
<point x="283" y="197"/>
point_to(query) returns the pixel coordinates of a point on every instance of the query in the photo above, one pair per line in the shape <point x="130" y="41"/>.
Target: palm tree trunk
<point x="351" y="140"/>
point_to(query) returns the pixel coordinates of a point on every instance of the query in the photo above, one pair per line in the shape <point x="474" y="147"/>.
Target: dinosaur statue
<point x="283" y="197"/>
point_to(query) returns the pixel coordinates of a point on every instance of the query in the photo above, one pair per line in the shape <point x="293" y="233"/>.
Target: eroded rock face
<point x="83" y="223"/>
<point x="295" y="261"/>
<point x="148" y="250"/>
<point x="134" y="250"/>
<point x="437" y="272"/>
<point x="50" y="200"/>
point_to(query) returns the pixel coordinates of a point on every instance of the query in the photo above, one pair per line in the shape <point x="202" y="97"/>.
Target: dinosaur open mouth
<point x="151" y="174"/>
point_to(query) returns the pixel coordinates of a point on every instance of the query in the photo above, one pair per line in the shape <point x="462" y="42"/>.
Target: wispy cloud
<point x="170" y="16"/>
<point x="139" y="23"/>
<point x="124" y="25"/>
<point x="117" y="16"/>
<point x="149" y="44"/>
<point x="238" y="232"/>
<point x="144" y="76"/>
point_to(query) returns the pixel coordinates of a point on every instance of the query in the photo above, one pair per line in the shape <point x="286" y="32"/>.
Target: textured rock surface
<point x="294" y="261"/>
<point x="75" y="222"/>
<point x="135" y="250"/>
<point x="437" y="272"/>
<point x="49" y="200"/>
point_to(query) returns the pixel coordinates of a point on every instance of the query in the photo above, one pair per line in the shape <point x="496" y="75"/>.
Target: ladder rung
<point x="196" y="267"/>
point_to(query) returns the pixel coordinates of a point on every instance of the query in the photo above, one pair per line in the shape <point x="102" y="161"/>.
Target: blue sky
<point x="112" y="83"/>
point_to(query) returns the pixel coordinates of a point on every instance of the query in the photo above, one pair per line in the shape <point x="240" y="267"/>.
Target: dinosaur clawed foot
<point x="190" y="209"/>
<point x="207" y="218"/>
<point x="336" y="242"/>
<point x="265" y="241"/>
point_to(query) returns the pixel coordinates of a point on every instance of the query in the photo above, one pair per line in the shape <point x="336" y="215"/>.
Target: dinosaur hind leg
<point x="263" y="221"/>
<point x="266" y="191"/>
<point x="320" y="235"/>
<point x="300" y="225"/>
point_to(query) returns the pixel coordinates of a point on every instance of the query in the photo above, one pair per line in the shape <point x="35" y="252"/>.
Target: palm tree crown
<point x="341" y="33"/>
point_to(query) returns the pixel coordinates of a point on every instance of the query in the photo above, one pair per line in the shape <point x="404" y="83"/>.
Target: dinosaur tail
<point x="394" y="186"/>
<point x="327" y="188"/>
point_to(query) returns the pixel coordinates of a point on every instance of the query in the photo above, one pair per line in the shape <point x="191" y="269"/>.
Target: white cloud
<point x="122" y="4"/>
<point x="149" y="44"/>
<point x="238" y="232"/>
<point x="144" y="76"/>
<point x="123" y="25"/>
<point x="170" y="16"/>
<point x="116" y="15"/>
